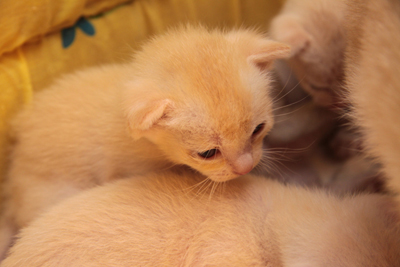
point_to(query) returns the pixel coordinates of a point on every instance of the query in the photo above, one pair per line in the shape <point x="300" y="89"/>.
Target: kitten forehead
<point x="208" y="71"/>
<point x="197" y="51"/>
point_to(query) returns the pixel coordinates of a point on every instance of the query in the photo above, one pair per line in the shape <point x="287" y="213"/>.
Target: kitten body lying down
<point x="192" y="96"/>
<point x="175" y="219"/>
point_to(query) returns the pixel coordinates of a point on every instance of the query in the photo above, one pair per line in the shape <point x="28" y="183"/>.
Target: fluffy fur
<point x="180" y="220"/>
<point x="316" y="32"/>
<point x="188" y="91"/>
<point x="372" y="57"/>
<point x="312" y="145"/>
<point x="367" y="52"/>
<point x="171" y="219"/>
<point x="373" y="60"/>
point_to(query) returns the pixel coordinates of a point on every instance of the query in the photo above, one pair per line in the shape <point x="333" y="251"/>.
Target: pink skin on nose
<point x="243" y="164"/>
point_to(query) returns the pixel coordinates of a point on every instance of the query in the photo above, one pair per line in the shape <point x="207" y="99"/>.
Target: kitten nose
<point x="243" y="164"/>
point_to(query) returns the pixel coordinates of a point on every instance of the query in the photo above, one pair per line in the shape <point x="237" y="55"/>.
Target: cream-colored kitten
<point x="367" y="34"/>
<point x="311" y="145"/>
<point x="315" y="30"/>
<point x="179" y="220"/>
<point x="373" y="67"/>
<point x="191" y="96"/>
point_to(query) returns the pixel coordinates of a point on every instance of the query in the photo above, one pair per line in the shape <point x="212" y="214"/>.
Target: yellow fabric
<point x="26" y="20"/>
<point x="33" y="37"/>
<point x="15" y="88"/>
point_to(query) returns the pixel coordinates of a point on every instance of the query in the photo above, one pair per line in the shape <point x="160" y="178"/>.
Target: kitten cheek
<point x="257" y="141"/>
<point x="257" y="155"/>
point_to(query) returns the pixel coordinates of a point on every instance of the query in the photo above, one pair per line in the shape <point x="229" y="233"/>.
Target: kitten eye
<point x="208" y="154"/>
<point x="258" y="129"/>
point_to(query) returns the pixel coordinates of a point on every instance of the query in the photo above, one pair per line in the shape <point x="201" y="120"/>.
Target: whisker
<point x="291" y="104"/>
<point x="213" y="188"/>
<point x="190" y="188"/>
<point x="287" y="82"/>
<point x="204" y="188"/>
<point x="288" y="150"/>
<point x="271" y="169"/>
<point x="273" y="156"/>
<point x="199" y="185"/>
<point x="294" y="87"/>
<point x="273" y="165"/>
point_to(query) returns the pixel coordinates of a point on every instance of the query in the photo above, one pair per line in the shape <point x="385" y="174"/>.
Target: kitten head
<point x="318" y="45"/>
<point x="203" y="98"/>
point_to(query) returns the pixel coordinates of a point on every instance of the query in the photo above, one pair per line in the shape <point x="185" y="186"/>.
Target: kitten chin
<point x="192" y="97"/>
<point x="173" y="219"/>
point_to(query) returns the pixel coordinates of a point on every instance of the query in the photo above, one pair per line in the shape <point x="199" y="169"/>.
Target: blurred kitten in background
<point x="313" y="145"/>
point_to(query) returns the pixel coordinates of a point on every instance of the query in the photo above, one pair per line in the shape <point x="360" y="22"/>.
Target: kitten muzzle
<point x="243" y="164"/>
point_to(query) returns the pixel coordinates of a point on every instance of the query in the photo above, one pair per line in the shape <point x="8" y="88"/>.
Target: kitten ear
<point x="267" y="52"/>
<point x="143" y="109"/>
<point x="289" y="30"/>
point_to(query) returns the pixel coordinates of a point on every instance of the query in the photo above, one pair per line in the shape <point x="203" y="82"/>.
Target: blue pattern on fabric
<point x="68" y="34"/>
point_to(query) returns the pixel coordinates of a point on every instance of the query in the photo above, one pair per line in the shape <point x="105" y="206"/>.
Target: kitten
<point x="175" y="219"/>
<point x="190" y="97"/>
<point x="315" y="30"/>
<point x="311" y="145"/>
<point x="369" y="55"/>
<point x="372" y="64"/>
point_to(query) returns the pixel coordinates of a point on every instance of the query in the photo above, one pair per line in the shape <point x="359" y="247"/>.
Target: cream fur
<point x="187" y="91"/>
<point x="313" y="146"/>
<point x="374" y="80"/>
<point x="182" y="220"/>
<point x="316" y="32"/>
<point x="368" y="36"/>
<point x="173" y="219"/>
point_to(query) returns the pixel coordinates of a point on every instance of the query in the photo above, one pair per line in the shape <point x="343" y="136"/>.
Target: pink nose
<point x="243" y="164"/>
